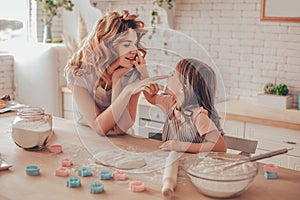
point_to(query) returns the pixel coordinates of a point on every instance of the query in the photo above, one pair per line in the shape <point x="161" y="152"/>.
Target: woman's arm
<point x="129" y="115"/>
<point x="105" y="121"/>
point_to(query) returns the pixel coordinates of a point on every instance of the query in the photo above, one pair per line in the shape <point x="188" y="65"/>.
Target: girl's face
<point x="174" y="87"/>
<point x="127" y="50"/>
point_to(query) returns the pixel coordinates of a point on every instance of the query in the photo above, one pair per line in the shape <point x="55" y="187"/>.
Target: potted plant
<point x="275" y="96"/>
<point x="52" y="8"/>
<point x="167" y="4"/>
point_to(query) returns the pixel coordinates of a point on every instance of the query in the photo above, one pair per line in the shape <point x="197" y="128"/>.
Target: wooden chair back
<point x="246" y="146"/>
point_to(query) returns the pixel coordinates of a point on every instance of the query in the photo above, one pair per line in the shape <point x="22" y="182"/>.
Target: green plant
<point x="48" y="40"/>
<point x="270" y="88"/>
<point x="57" y="40"/>
<point x="282" y="89"/>
<point x="154" y="13"/>
<point x="51" y="8"/>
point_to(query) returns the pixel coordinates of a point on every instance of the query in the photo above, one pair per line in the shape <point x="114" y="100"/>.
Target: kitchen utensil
<point x="169" y="179"/>
<point x="259" y="157"/>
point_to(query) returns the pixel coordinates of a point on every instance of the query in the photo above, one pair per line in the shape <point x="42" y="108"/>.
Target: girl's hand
<point x="140" y="64"/>
<point x="150" y="93"/>
<point x="175" y="145"/>
<point x="151" y="90"/>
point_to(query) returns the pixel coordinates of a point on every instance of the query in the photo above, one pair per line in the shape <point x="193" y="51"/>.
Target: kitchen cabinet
<point x="272" y="128"/>
<point x="150" y="119"/>
<point x="67" y="103"/>
<point x="271" y="138"/>
<point x="294" y="162"/>
<point x="233" y="127"/>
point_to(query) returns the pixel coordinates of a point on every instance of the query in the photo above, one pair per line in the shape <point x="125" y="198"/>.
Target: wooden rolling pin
<point x="169" y="179"/>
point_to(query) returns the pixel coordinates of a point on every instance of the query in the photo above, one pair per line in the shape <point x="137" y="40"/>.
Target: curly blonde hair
<point x="98" y="51"/>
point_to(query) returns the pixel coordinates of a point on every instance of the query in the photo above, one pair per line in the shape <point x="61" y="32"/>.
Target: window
<point x="14" y="19"/>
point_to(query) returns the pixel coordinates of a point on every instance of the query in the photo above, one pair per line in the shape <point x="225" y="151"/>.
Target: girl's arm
<point x="164" y="102"/>
<point x="215" y="142"/>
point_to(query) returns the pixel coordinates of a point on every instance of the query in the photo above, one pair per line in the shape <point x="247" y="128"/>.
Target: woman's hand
<point x="143" y="85"/>
<point x="175" y="145"/>
<point x="118" y="73"/>
<point x="140" y="64"/>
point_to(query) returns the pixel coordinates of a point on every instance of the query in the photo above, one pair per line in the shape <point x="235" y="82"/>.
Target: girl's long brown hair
<point x="199" y="83"/>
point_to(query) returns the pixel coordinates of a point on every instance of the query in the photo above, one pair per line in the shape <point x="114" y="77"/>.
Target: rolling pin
<point x="169" y="179"/>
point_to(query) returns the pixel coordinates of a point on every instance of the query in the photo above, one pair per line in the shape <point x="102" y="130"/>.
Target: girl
<point x="192" y="123"/>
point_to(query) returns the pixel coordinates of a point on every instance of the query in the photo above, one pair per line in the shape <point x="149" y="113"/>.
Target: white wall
<point x="248" y="52"/>
<point x="71" y="19"/>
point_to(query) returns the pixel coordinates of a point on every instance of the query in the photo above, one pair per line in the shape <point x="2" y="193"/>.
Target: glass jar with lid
<point x="32" y="128"/>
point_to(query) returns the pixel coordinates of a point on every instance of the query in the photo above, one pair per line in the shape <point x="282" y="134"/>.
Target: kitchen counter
<point x="251" y="112"/>
<point x="80" y="142"/>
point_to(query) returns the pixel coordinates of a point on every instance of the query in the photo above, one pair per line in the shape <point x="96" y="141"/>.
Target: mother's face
<point x="127" y="49"/>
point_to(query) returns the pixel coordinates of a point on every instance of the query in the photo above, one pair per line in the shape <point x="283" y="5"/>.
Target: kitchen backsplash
<point x="247" y="51"/>
<point x="7" y="75"/>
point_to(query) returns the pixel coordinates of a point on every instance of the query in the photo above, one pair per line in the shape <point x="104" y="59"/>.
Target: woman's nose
<point x="133" y="49"/>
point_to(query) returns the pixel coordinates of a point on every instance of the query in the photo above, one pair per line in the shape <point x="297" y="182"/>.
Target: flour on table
<point x="119" y="159"/>
<point x="131" y="164"/>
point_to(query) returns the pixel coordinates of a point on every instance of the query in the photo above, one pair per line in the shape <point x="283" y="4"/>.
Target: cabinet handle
<point x="290" y="142"/>
<point x="152" y="127"/>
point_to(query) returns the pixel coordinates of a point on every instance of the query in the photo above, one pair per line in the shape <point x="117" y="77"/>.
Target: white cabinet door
<point x="150" y="118"/>
<point x="67" y="105"/>
<point x="273" y="138"/>
<point x="233" y="127"/>
<point x="294" y="163"/>
<point x="280" y="160"/>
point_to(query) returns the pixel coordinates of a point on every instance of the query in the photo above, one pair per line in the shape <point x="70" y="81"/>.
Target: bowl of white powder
<point x="220" y="175"/>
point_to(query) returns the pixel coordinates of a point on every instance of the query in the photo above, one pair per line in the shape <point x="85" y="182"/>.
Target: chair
<point x="246" y="146"/>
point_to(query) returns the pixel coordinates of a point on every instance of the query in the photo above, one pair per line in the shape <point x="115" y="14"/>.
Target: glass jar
<point x="31" y="128"/>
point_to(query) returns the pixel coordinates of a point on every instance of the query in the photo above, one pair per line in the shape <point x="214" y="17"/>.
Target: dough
<point x="131" y="164"/>
<point x="120" y="159"/>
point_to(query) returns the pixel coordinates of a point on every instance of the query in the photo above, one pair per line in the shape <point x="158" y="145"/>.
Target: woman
<point x="192" y="123"/>
<point x="100" y="73"/>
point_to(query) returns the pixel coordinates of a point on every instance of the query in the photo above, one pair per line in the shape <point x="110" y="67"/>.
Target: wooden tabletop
<point x="251" y="112"/>
<point x="79" y="143"/>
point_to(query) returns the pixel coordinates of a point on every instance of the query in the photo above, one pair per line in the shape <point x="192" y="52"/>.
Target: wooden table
<point x="15" y="184"/>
